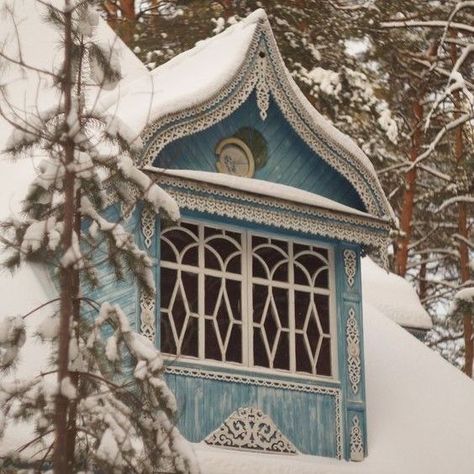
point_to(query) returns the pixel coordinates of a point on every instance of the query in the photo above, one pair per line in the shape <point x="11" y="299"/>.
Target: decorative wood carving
<point x="350" y="266"/>
<point x="250" y="428"/>
<point x="357" y="440"/>
<point x="353" y="350"/>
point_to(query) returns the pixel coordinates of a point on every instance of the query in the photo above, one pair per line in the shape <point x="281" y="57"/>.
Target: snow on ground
<point x="420" y="415"/>
<point x="393" y="296"/>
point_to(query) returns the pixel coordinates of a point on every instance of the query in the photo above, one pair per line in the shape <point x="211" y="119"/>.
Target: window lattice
<point x="248" y="299"/>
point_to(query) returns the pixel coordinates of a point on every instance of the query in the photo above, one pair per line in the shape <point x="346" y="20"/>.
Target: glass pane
<point x="234" y="349"/>
<point x="323" y="366"/>
<point x="190" y="342"/>
<point x="281" y="272"/>
<point x="259" y="352"/>
<point x="208" y="231"/>
<point x="280" y="296"/>
<point x="211" y="260"/>
<point x="166" y="252"/>
<point x="167" y="340"/>
<point x="212" y="286"/>
<point x="271" y="327"/>
<point x="303" y="362"/>
<point x="282" y="355"/>
<point x="223" y="319"/>
<point x="234" y="236"/>
<point x="271" y="256"/>
<point x="234" y="293"/>
<point x="259" y="297"/>
<point x="322" y="305"/>
<point x="259" y="269"/>
<point x="178" y="312"/>
<point x="234" y="265"/>
<point x="191" y="256"/>
<point x="313" y="334"/>
<point x="190" y="284"/>
<point x="301" y="308"/>
<point x="280" y="244"/>
<point x="212" y="350"/>
<point x="322" y="280"/>
<point x="223" y="247"/>
<point x="167" y="280"/>
<point x="179" y="238"/>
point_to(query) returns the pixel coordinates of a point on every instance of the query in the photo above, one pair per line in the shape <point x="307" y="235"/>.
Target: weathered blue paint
<point x="306" y="419"/>
<point x="124" y="292"/>
<point x="290" y="160"/>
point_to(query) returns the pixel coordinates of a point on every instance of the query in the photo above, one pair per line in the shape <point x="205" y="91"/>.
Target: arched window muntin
<point x="243" y="274"/>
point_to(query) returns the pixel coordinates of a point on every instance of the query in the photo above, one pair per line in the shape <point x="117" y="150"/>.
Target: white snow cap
<point x="264" y="188"/>
<point x="393" y="296"/>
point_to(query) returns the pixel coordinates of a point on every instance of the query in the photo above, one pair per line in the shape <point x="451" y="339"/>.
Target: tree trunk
<point x="422" y="287"/>
<point x="406" y="217"/>
<point x="67" y="275"/>
<point x="464" y="272"/>
<point x="127" y="8"/>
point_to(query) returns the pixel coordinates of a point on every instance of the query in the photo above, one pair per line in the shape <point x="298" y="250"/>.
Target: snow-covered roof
<point x="196" y="82"/>
<point x="393" y="296"/>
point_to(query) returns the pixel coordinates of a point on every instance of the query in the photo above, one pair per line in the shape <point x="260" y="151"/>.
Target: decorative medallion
<point x="242" y="154"/>
<point x="234" y="157"/>
<point x="353" y="350"/>
<point x="250" y="428"/>
<point x="356" y="441"/>
<point x="350" y="266"/>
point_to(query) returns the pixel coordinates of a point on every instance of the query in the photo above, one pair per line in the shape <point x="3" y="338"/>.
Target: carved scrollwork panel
<point x="250" y="428"/>
<point x="356" y="440"/>
<point x="354" y="365"/>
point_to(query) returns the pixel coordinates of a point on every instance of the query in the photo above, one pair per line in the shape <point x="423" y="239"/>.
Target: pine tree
<point x="87" y="415"/>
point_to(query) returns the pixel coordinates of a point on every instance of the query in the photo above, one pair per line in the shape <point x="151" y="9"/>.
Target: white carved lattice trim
<point x="147" y="301"/>
<point x="353" y="351"/>
<point x="208" y="198"/>
<point x="356" y="441"/>
<point x="350" y="266"/>
<point x="250" y="428"/>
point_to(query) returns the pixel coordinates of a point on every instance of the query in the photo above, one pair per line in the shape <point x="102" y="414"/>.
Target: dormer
<point x="259" y="313"/>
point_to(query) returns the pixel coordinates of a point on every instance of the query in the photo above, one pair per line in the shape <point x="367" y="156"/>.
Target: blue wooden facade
<point x="313" y="413"/>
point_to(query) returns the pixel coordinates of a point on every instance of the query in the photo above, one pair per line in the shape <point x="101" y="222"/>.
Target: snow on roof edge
<point x="264" y="188"/>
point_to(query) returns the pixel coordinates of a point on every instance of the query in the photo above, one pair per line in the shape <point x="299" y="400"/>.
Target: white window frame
<point x="246" y="297"/>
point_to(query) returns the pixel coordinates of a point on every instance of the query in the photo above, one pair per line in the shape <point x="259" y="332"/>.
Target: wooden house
<point x="259" y="310"/>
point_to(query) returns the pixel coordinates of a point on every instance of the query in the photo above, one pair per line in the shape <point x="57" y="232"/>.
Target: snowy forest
<point x="398" y="78"/>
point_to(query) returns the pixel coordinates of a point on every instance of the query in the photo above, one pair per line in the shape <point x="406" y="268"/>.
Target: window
<point x="248" y="299"/>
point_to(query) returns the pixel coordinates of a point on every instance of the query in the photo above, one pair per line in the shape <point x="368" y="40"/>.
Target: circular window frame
<point x="243" y="146"/>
